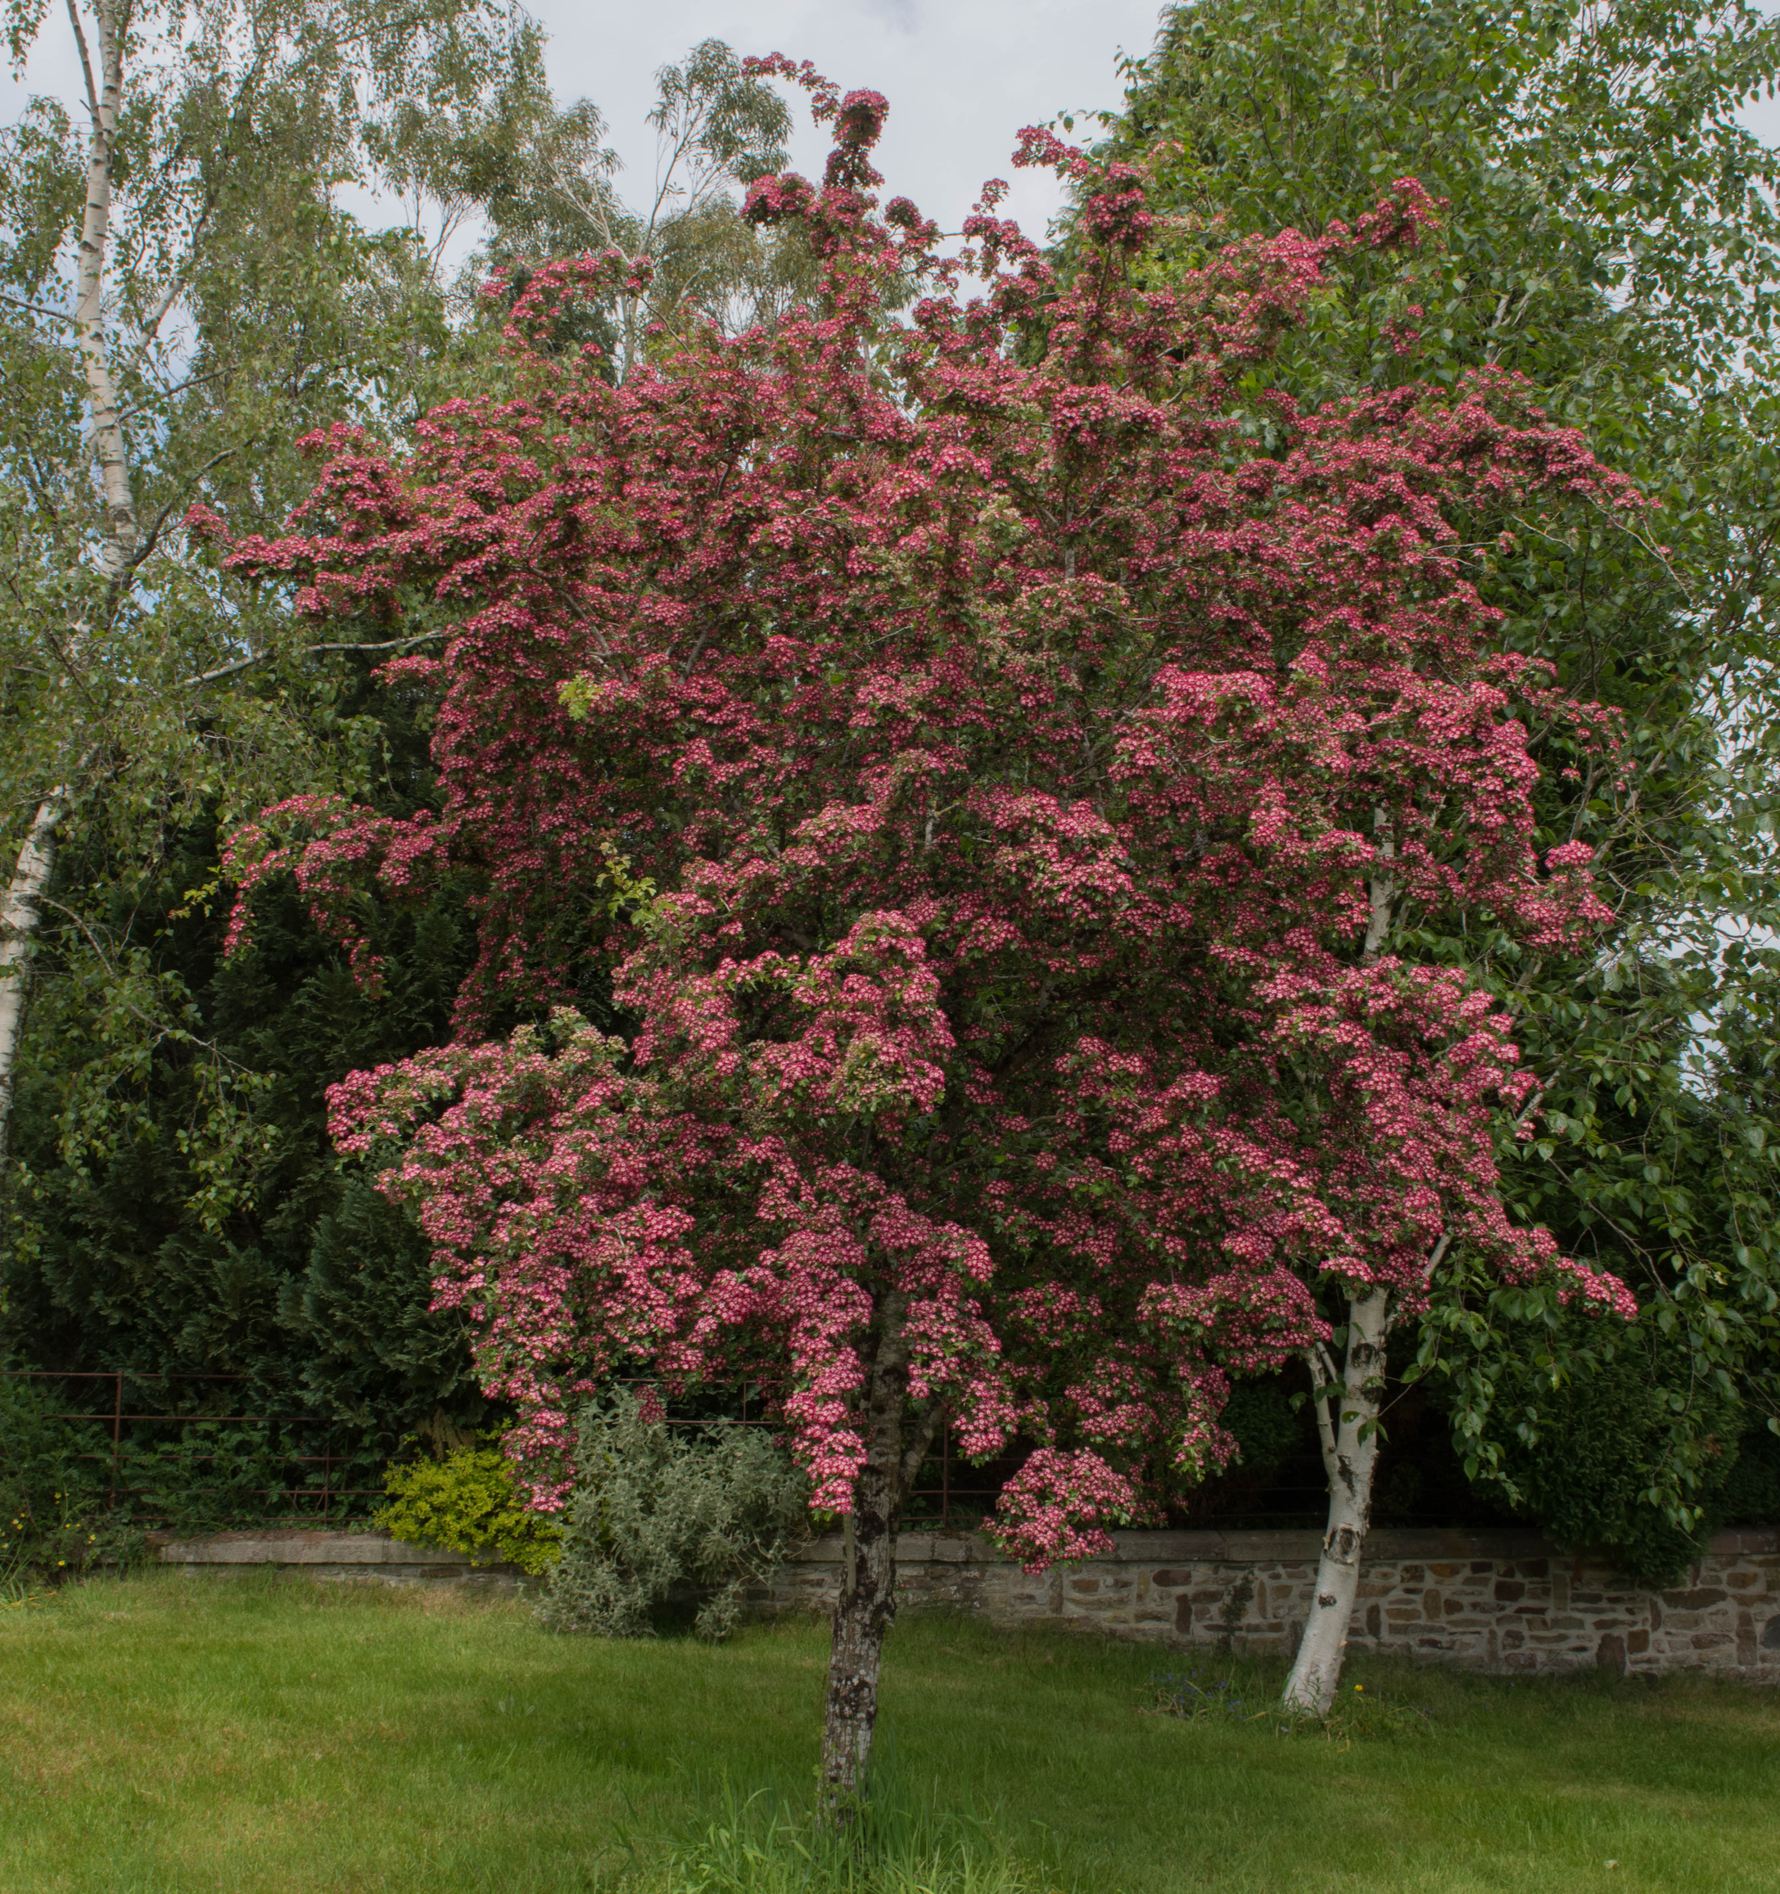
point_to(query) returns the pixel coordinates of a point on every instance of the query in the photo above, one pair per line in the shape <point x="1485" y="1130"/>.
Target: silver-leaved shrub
<point x="661" y="1513"/>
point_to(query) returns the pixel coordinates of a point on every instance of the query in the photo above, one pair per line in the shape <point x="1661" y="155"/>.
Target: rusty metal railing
<point x="949" y="1492"/>
<point x="115" y="1417"/>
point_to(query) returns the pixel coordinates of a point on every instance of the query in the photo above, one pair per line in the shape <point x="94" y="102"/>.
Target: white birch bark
<point x="104" y="98"/>
<point x="1347" y="1407"/>
<point x="1347" y="1422"/>
<point x="18" y="934"/>
<point x="20" y="916"/>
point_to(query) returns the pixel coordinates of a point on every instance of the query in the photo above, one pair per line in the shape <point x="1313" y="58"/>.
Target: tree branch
<point x="308" y="651"/>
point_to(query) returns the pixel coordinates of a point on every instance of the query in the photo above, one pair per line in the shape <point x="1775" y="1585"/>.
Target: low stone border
<point x="374" y="1556"/>
<point x="1495" y="1601"/>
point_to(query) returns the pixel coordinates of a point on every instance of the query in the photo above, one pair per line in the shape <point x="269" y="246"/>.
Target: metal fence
<point x="948" y="1491"/>
<point x="319" y="1493"/>
<point x="324" y="1461"/>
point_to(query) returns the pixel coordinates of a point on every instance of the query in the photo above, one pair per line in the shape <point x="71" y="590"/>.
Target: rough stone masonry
<point x="1497" y="1601"/>
<point x="1494" y="1601"/>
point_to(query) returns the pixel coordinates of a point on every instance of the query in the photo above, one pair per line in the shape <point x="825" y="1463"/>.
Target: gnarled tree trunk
<point x="1347" y="1421"/>
<point x="866" y="1607"/>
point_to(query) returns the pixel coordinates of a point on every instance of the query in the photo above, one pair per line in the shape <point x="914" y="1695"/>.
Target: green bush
<point x="53" y="1516"/>
<point x="1585" y="1477"/>
<point x="467" y="1502"/>
<point x="41" y="1469"/>
<point x="660" y="1512"/>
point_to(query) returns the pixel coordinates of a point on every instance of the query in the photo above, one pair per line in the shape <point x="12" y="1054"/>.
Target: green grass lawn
<point x="168" y="1733"/>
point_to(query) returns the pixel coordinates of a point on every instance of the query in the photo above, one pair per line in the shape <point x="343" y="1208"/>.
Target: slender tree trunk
<point x="866" y="1607"/>
<point x="1347" y="1420"/>
<point x="104" y="99"/>
<point x="18" y="934"/>
<point x="36" y="860"/>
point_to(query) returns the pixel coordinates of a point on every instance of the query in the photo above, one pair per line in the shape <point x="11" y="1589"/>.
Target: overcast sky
<point x="962" y="76"/>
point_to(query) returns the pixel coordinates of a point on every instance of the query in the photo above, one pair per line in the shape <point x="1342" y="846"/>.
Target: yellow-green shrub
<point x="467" y="1503"/>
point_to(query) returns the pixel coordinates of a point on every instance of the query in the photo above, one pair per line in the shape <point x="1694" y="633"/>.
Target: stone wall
<point x="1496" y="1601"/>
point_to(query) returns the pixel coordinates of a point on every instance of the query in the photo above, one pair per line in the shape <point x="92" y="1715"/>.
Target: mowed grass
<point x="170" y="1733"/>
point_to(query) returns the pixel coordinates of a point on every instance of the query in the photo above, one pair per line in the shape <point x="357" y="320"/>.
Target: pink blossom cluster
<point x="1007" y="760"/>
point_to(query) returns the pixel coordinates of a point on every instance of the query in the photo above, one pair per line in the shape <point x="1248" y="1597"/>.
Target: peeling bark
<point x="1349" y="1433"/>
<point x="18" y="935"/>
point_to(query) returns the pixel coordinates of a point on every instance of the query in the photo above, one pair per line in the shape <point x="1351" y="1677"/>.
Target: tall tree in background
<point x="180" y="301"/>
<point x="547" y="186"/>
<point x="1609" y="230"/>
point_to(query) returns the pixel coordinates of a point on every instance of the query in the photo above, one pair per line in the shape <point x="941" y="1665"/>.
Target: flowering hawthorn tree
<point x="989" y="767"/>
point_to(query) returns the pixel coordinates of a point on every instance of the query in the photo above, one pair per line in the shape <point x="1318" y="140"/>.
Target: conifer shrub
<point x="467" y="1502"/>
<point x="663" y="1515"/>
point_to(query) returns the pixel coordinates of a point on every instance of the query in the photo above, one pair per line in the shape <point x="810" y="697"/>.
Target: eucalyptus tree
<point x="1609" y="230"/>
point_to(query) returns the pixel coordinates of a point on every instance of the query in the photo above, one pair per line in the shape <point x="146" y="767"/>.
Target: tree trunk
<point x="104" y="100"/>
<point x="1350" y="1453"/>
<point x="18" y="933"/>
<point x="866" y="1607"/>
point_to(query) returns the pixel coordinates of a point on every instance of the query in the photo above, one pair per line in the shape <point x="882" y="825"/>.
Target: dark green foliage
<point x="189" y="1216"/>
<point x="1750" y="1495"/>
<point x="1260" y="1415"/>
<point x="1584" y="1474"/>
<point x="54" y="1474"/>
<point x="1279" y="1479"/>
<point x="40" y="1464"/>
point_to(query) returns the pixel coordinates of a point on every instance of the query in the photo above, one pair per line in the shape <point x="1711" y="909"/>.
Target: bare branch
<point x="1435" y="1256"/>
<point x="154" y="532"/>
<point x="37" y="309"/>
<point x="308" y="651"/>
<point x="86" y="60"/>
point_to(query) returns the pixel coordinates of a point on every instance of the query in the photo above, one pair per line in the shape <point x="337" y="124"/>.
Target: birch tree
<point x="171" y="1200"/>
<point x="179" y="298"/>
